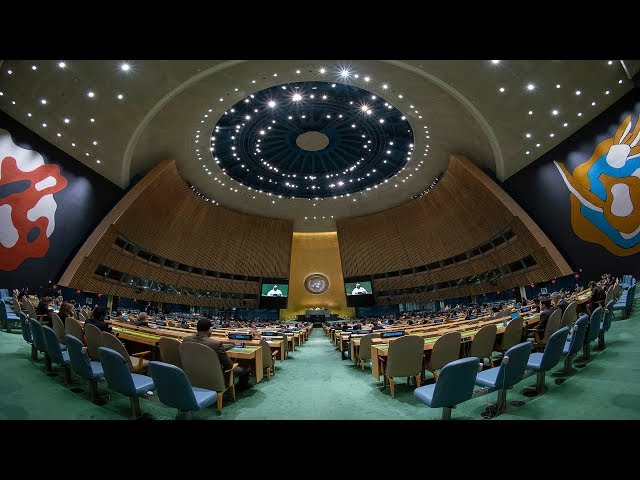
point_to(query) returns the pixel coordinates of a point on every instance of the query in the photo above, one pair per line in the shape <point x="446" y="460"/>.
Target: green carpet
<point x="315" y="384"/>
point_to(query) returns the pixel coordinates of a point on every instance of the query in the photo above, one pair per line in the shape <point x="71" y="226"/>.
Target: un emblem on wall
<point x="316" y="283"/>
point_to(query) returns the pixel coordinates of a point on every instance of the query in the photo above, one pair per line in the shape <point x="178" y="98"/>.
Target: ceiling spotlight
<point x="501" y="89"/>
<point x="92" y="120"/>
<point x="62" y="65"/>
<point x="43" y="101"/>
<point x="44" y="124"/>
<point x="527" y="152"/>
<point x="297" y="97"/>
<point x="59" y="134"/>
<point x="364" y="108"/>
<point x="593" y="104"/>
<point x="323" y="71"/>
<point x="607" y="92"/>
<point x="95" y="142"/>
<point x="272" y="104"/>
<point x="557" y="85"/>
<point x="91" y="94"/>
<point x="344" y="73"/>
<point x="495" y="62"/>
<point x="28" y="114"/>
<point x="565" y="125"/>
<point x="530" y="112"/>
<point x="125" y="67"/>
<point x="578" y="92"/>
<point x="385" y="86"/>
<point x="531" y="86"/>
<point x="366" y="79"/>
<point x="33" y="67"/>
<point x="609" y="62"/>
<point x="298" y="71"/>
<point x="382" y="120"/>
<point x="528" y="135"/>
<point x="120" y="96"/>
<point x="554" y="112"/>
<point x="97" y="161"/>
<point x="579" y="114"/>
<point x="552" y="135"/>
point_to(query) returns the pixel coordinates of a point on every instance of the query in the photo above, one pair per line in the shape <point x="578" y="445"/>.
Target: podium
<point x="315" y="315"/>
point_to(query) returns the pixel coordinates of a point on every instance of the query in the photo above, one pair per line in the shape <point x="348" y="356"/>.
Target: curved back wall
<point x="464" y="210"/>
<point x="166" y="218"/>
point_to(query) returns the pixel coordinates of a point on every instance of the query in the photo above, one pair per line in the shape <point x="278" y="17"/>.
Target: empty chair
<point x="592" y="331"/>
<point x="574" y="343"/>
<point x="454" y="386"/>
<point x="268" y="358"/>
<point x="174" y="389"/>
<point x="483" y="342"/>
<point x="136" y="363"/>
<point x="83" y="366"/>
<point x="364" y="351"/>
<point x="58" y="327"/>
<point x="512" y="335"/>
<point x="26" y="334"/>
<point x="553" y="324"/>
<point x="445" y="350"/>
<point x="541" y="362"/>
<point x="170" y="351"/>
<point x="82" y="317"/>
<point x="203" y="369"/>
<point x="120" y="379"/>
<point x="404" y="359"/>
<point x="56" y="354"/>
<point x="510" y="372"/>
<point x="606" y="324"/>
<point x="73" y="327"/>
<point x="39" y="342"/>
<point x="92" y="336"/>
<point x="570" y="315"/>
<point x="7" y="317"/>
<point x="28" y="307"/>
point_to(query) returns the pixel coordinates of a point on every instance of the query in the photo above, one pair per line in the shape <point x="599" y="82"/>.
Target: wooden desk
<point x="380" y="347"/>
<point x="252" y="355"/>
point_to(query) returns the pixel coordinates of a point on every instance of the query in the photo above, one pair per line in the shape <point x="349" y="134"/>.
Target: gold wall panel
<point x="316" y="253"/>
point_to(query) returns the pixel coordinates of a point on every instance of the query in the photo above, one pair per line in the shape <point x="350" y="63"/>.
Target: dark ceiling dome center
<point x="312" y="139"/>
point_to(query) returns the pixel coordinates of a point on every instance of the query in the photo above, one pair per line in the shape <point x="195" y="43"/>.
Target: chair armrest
<point x="230" y="371"/>
<point x="140" y="356"/>
<point x="232" y="367"/>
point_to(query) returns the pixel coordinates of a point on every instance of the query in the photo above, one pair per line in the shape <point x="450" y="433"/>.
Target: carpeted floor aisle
<point x="315" y="384"/>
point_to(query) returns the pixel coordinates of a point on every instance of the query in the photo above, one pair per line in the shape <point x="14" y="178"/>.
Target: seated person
<point x="547" y="310"/>
<point x="141" y="321"/>
<point x="536" y="305"/>
<point x="377" y="326"/>
<point x="66" y="310"/>
<point x="42" y="311"/>
<point x="558" y="301"/>
<point x="597" y="297"/>
<point x="204" y="337"/>
<point x="98" y="319"/>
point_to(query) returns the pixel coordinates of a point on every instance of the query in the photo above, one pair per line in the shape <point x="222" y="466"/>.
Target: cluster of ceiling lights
<point x="200" y="194"/>
<point x="343" y="75"/>
<point x="430" y="187"/>
<point x="554" y="111"/>
<point x="65" y="121"/>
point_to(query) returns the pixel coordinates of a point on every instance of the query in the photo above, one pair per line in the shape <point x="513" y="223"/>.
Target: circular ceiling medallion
<point x="316" y="283"/>
<point x="312" y="140"/>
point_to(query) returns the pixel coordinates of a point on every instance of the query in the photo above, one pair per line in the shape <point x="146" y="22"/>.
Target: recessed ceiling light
<point x="33" y="67"/>
<point x="125" y="67"/>
<point x="95" y="142"/>
<point x="565" y="124"/>
<point x="609" y="62"/>
<point x="528" y="135"/>
<point x="298" y="71"/>
<point x="66" y="120"/>
<point x="579" y="114"/>
<point x="530" y="112"/>
<point x="527" y="152"/>
<point x="501" y="89"/>
<point x="59" y="134"/>
<point x="43" y="101"/>
<point x="552" y="135"/>
<point x="323" y="71"/>
<point x="97" y="161"/>
<point x="366" y="79"/>
<point x="554" y="112"/>
<point x="73" y="144"/>
<point x="385" y="86"/>
<point x="382" y="120"/>
<point x="120" y="96"/>
<point x="495" y="62"/>
<point x="275" y="74"/>
<point x="92" y="120"/>
<point x="607" y="92"/>
<point x="557" y="85"/>
<point x="531" y="86"/>
<point x="44" y="124"/>
<point x="297" y="97"/>
<point x="619" y="81"/>
<point x="344" y="73"/>
<point x="91" y="94"/>
<point x="62" y="65"/>
<point x="28" y="114"/>
<point x="272" y="104"/>
<point x="399" y="96"/>
<point x="578" y="92"/>
<point x="593" y="104"/>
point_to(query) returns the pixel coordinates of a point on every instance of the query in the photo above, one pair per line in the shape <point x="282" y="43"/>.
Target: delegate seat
<point x="454" y="385"/>
<point x="136" y="362"/>
<point x="203" y="369"/>
<point x="56" y="353"/>
<point x="92" y="336"/>
<point x="483" y="343"/>
<point x="174" y="389"/>
<point x="509" y="373"/>
<point x="445" y="350"/>
<point x="170" y="351"/>
<point x="26" y="334"/>
<point x="606" y="325"/>
<point x="404" y="359"/>
<point x="268" y="358"/>
<point x="73" y="327"/>
<point x="541" y="362"/>
<point x="512" y="335"/>
<point x="592" y="332"/>
<point x="570" y="315"/>
<point x="121" y="380"/>
<point x="574" y="343"/>
<point x="58" y="327"/>
<point x="82" y="365"/>
<point x="364" y="350"/>
<point x="38" y="340"/>
<point x="8" y="318"/>
<point x="553" y="324"/>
